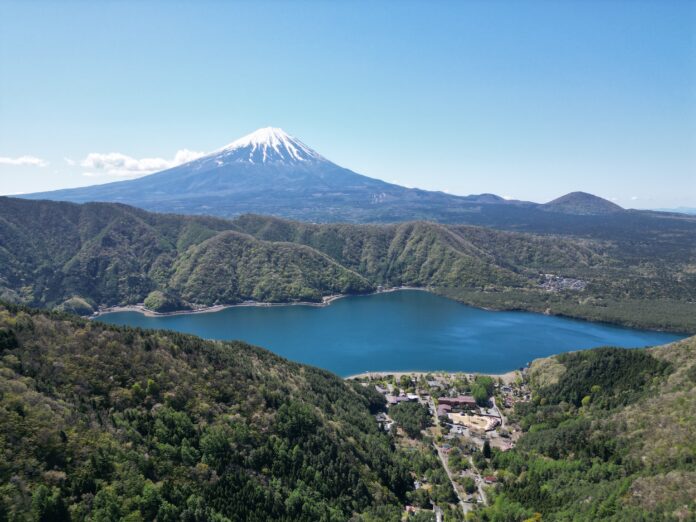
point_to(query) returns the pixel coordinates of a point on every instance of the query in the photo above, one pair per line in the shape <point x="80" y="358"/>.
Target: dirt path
<point x="479" y="482"/>
<point x="466" y="507"/>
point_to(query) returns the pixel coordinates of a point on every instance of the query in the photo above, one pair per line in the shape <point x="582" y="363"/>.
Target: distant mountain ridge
<point x="581" y="203"/>
<point x="271" y="172"/>
<point x="678" y="210"/>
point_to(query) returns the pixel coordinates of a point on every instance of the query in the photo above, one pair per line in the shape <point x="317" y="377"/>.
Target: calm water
<point x="406" y="330"/>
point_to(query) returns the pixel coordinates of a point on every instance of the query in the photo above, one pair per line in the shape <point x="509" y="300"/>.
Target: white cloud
<point x="23" y="161"/>
<point x="185" y="155"/>
<point x="117" y="164"/>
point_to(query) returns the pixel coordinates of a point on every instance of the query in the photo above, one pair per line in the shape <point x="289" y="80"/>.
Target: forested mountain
<point x="103" y="423"/>
<point x="107" y="423"/>
<point x="84" y="256"/>
<point x="113" y="254"/>
<point x="608" y="436"/>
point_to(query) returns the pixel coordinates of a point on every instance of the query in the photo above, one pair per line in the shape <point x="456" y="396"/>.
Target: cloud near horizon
<point x="117" y="164"/>
<point x="23" y="161"/>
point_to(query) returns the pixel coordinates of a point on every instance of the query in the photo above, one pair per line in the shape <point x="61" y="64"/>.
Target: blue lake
<point x="404" y="330"/>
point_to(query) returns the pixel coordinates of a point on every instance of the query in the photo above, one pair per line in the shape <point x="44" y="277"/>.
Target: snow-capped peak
<point x="266" y="145"/>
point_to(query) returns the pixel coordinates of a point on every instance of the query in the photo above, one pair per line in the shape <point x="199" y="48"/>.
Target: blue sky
<point x="523" y="99"/>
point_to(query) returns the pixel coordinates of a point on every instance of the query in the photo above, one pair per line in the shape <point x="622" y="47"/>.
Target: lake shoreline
<point x="506" y="377"/>
<point x="414" y="332"/>
<point x="326" y="301"/>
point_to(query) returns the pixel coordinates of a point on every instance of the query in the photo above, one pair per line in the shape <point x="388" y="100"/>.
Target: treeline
<point x="676" y="315"/>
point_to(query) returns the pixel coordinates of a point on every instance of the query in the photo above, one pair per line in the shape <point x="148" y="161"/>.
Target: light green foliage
<point x="611" y="439"/>
<point x="77" y="305"/>
<point x="159" y="301"/>
<point x="423" y="461"/>
<point x="545" y="372"/>
<point x="469" y="485"/>
<point x="405" y="382"/>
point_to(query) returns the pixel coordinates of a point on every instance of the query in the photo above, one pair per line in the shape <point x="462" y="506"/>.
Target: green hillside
<point x="100" y="423"/>
<point x="608" y="436"/>
<point x="110" y="254"/>
<point x="231" y="265"/>
<point x="80" y="257"/>
<point x="651" y="283"/>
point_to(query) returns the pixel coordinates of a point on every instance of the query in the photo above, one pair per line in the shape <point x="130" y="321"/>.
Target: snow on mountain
<point x="267" y="145"/>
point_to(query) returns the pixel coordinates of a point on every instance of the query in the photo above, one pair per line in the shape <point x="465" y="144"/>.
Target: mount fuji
<point x="271" y="172"/>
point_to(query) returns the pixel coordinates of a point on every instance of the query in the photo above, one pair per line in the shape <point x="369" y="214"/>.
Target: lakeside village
<point x="460" y="419"/>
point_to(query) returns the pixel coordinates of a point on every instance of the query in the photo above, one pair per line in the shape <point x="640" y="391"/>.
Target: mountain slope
<point x="231" y="264"/>
<point x="103" y="254"/>
<point x="581" y="203"/>
<point x="103" y="423"/>
<point x="608" y="436"/>
<point x="271" y="172"/>
<point x="112" y="254"/>
<point x="428" y="254"/>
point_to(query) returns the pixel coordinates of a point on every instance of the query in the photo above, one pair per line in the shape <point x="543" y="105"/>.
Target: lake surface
<point x="404" y="330"/>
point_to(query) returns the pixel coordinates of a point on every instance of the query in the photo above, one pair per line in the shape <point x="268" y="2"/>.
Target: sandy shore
<point x="507" y="377"/>
<point x="140" y="308"/>
<point x="326" y="300"/>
